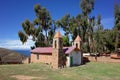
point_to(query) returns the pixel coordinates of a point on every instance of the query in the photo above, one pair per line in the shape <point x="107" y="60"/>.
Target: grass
<point x="90" y="71"/>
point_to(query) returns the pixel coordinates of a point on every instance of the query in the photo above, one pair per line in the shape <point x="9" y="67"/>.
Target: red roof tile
<point x="43" y="50"/>
<point x="69" y="49"/>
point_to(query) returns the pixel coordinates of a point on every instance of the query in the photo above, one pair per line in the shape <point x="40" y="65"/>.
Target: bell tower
<point x="57" y="41"/>
<point x="57" y="52"/>
<point x="77" y="42"/>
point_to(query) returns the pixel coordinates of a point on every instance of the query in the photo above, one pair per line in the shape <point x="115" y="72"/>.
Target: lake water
<point x="25" y="52"/>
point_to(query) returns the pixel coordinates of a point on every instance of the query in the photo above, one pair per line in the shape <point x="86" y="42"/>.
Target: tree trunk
<point x="46" y="38"/>
<point x="89" y="44"/>
<point x="116" y="41"/>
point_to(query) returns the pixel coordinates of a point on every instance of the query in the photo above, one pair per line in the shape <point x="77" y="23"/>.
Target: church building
<point x="58" y="56"/>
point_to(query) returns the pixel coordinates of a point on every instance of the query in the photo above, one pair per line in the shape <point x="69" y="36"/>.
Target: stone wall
<point x="58" y="58"/>
<point x="55" y="57"/>
<point x="44" y="58"/>
<point x="26" y="60"/>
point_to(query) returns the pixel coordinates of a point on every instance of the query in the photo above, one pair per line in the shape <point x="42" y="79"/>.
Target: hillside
<point x="9" y="56"/>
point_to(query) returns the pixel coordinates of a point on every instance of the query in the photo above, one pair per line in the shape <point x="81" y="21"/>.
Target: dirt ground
<point x="23" y="77"/>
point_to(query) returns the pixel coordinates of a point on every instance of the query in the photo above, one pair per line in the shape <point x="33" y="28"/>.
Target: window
<point x="118" y="45"/>
<point x="55" y="43"/>
<point x="76" y="45"/>
<point x="37" y="56"/>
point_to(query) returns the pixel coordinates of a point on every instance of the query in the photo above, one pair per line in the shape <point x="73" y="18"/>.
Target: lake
<point x="25" y="52"/>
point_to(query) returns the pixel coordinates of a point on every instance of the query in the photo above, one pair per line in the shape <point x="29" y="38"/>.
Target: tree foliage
<point x="117" y="25"/>
<point x="94" y="37"/>
<point x="35" y="29"/>
<point x="64" y="23"/>
<point x="65" y="41"/>
<point x="22" y="36"/>
<point x="86" y="6"/>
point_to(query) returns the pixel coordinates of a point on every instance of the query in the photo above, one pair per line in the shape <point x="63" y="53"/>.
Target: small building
<point x="58" y="55"/>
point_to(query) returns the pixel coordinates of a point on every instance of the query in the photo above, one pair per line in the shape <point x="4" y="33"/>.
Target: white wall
<point x="76" y="58"/>
<point x="68" y="61"/>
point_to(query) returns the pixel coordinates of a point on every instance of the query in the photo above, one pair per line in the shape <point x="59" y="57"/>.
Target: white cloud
<point x="16" y="44"/>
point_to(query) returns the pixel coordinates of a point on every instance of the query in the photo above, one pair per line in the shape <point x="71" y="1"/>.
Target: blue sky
<point x="14" y="12"/>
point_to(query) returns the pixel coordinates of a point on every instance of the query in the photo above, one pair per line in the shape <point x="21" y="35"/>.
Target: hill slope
<point x="9" y="56"/>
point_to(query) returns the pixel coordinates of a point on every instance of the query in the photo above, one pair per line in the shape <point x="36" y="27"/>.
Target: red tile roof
<point x="66" y="50"/>
<point x="42" y="50"/>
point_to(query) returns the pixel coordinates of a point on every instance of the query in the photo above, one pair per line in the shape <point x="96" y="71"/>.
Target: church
<point x="58" y="56"/>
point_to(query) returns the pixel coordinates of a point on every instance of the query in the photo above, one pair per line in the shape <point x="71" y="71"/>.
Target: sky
<point x="14" y="12"/>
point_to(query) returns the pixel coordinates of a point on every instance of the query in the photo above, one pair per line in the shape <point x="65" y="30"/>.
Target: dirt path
<point x="23" y="77"/>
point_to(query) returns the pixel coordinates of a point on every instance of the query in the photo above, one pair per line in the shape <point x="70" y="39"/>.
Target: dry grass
<point x="90" y="71"/>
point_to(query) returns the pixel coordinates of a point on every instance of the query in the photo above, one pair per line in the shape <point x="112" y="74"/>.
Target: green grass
<point x="90" y="71"/>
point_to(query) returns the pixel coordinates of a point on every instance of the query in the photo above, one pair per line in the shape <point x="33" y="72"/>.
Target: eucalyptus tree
<point x="65" y="41"/>
<point x="64" y="23"/>
<point x="35" y="29"/>
<point x="90" y="33"/>
<point x="28" y="30"/>
<point x="79" y="23"/>
<point x="43" y="19"/>
<point x="117" y="25"/>
<point x="73" y="28"/>
<point x="109" y="36"/>
<point x="86" y="6"/>
<point x="51" y="32"/>
<point x="99" y="35"/>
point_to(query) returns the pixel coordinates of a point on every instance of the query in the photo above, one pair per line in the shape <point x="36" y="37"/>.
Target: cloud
<point x="16" y="44"/>
<point x="108" y="22"/>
